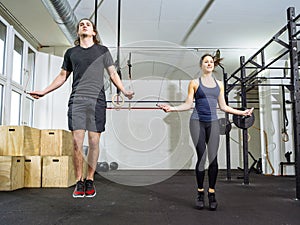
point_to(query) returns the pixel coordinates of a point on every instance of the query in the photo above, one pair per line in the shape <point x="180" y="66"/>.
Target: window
<point x="17" y="60"/>
<point x="17" y="73"/>
<point x="29" y="72"/>
<point x="2" y="46"/>
<point x="27" y="112"/>
<point x="15" y="108"/>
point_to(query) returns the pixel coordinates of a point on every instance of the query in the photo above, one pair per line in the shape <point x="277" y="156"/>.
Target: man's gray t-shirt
<point x="87" y="65"/>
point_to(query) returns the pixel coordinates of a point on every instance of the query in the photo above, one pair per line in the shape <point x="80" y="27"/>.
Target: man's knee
<point x="94" y="140"/>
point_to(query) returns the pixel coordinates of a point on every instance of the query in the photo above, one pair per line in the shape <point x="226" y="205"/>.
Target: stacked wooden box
<point x="30" y="157"/>
<point x="57" y="150"/>
<point x="17" y="143"/>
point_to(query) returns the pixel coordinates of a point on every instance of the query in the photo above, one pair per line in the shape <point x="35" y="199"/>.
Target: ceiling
<point x="236" y="27"/>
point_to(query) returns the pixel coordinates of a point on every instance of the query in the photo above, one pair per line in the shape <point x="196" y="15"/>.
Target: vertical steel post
<point x="228" y="156"/>
<point x="118" y="43"/>
<point x="119" y="32"/>
<point x="96" y="12"/>
<point x="295" y="93"/>
<point x="245" y="130"/>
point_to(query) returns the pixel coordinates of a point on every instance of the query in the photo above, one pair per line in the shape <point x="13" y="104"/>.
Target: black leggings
<point x="206" y="136"/>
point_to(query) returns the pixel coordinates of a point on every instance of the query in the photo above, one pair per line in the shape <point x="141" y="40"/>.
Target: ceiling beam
<point x="192" y="27"/>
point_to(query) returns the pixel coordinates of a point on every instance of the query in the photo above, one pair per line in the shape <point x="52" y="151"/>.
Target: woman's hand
<point x="248" y="112"/>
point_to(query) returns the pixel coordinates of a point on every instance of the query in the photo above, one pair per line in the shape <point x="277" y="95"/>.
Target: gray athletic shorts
<point x="87" y="114"/>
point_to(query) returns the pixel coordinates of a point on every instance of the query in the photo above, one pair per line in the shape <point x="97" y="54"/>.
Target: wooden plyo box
<point x="19" y="141"/>
<point x="33" y="171"/>
<point x="58" y="171"/>
<point x="11" y="173"/>
<point x="3" y="139"/>
<point x="56" y="143"/>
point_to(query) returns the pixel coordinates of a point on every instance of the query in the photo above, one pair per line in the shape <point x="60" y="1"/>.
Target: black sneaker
<point x="200" y="200"/>
<point x="79" y="190"/>
<point x="212" y="201"/>
<point x="90" y="190"/>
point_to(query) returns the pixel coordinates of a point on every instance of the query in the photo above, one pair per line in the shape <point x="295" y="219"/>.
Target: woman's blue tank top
<point x="206" y="100"/>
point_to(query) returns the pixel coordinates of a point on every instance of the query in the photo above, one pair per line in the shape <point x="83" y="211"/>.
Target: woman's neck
<point x="206" y="75"/>
<point x="208" y="80"/>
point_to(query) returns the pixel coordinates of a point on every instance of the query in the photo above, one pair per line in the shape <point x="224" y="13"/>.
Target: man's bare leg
<point x="92" y="158"/>
<point x="94" y="139"/>
<point x="78" y="137"/>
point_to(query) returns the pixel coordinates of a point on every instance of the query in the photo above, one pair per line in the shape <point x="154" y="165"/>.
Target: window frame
<point x="3" y="73"/>
<point x="10" y="86"/>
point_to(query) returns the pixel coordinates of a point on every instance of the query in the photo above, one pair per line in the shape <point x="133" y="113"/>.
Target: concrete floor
<point x="268" y="200"/>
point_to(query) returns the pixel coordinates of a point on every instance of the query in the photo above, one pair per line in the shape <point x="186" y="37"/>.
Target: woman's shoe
<point x="213" y="204"/>
<point x="200" y="200"/>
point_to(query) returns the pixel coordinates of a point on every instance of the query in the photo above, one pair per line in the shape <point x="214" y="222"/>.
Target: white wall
<point x="42" y="108"/>
<point x="50" y="111"/>
<point x="271" y="109"/>
<point x="60" y="96"/>
<point x="136" y="139"/>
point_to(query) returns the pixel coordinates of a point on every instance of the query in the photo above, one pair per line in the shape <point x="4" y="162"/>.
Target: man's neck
<point x="86" y="42"/>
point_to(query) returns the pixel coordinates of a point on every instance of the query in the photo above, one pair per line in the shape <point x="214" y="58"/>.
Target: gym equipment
<point x="239" y="121"/>
<point x="85" y="150"/>
<point x="102" y="167"/>
<point x="225" y="126"/>
<point x="117" y="100"/>
<point x="284" y="134"/>
<point x="257" y="169"/>
<point x="282" y="164"/>
<point x="129" y="71"/>
<point x="248" y="79"/>
<point x="288" y="156"/>
<point x="243" y="122"/>
<point x="113" y="166"/>
<point x="130" y="77"/>
<point x="259" y="166"/>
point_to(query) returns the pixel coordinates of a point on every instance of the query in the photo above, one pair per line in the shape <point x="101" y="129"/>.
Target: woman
<point x="204" y="125"/>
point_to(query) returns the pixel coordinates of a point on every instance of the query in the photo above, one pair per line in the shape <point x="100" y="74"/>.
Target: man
<point x="87" y="103"/>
